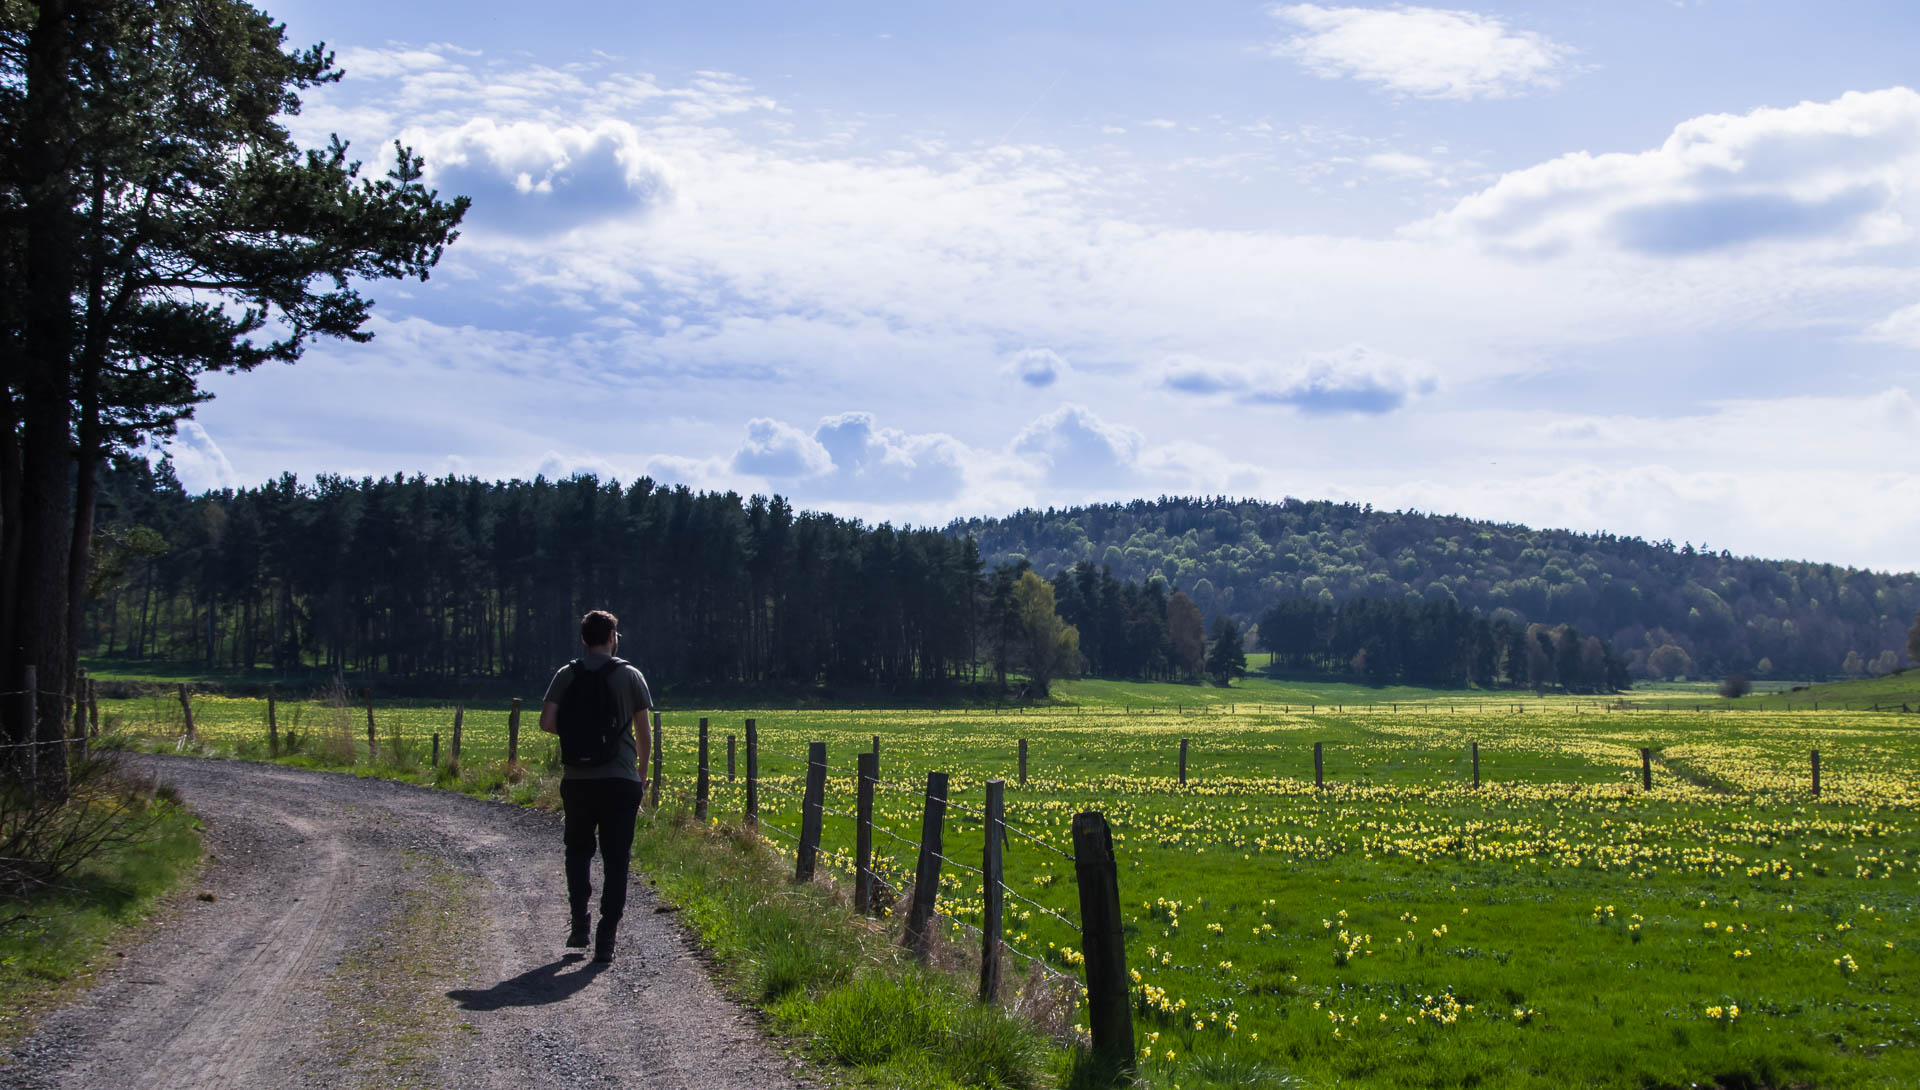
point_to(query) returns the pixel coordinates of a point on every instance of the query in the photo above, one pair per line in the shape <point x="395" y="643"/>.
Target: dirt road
<point x="354" y="932"/>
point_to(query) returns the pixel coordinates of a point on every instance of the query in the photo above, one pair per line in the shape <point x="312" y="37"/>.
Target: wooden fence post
<point x="810" y="805"/>
<point x="1109" y="1013"/>
<point x="186" y="708"/>
<point x="1183" y="762"/>
<point x="1476" y="765"/>
<point x="700" y="777"/>
<point x="93" y="707"/>
<point x="753" y="777"/>
<point x="1319" y="767"/>
<point x="926" y="874"/>
<point x="994" y="894"/>
<point x="459" y="727"/>
<point x="436" y="750"/>
<point x="659" y="736"/>
<point x="273" y="721"/>
<point x="513" y="734"/>
<point x="1646" y="768"/>
<point x="1816" y="773"/>
<point x="30" y="720"/>
<point x="373" y="743"/>
<point x="729" y="758"/>
<point x="80" y="682"/>
<point x="876" y="745"/>
<point x="867" y="767"/>
<point x="1023" y="762"/>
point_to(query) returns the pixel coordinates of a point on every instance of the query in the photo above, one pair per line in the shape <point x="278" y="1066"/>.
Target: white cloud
<point x="1356" y="379"/>
<point x="847" y="456"/>
<point x="1902" y="327"/>
<point x="1076" y="449"/>
<point x="555" y="466"/>
<point x="1399" y="162"/>
<point x="1422" y="52"/>
<point x="198" y="461"/>
<point x="531" y="177"/>
<point x="1820" y="175"/>
<point x="1037" y="367"/>
<point x="775" y="449"/>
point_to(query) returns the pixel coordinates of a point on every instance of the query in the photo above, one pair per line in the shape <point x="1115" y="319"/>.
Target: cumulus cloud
<point x="849" y="456"/>
<point x="555" y="466"/>
<point x="198" y="461"/>
<point x="532" y="177"/>
<point x="1356" y="379"/>
<point x="1075" y="448"/>
<point x="776" y="449"/>
<point x="1037" y="367"/>
<point x="1839" y="173"/>
<point x="1422" y="52"/>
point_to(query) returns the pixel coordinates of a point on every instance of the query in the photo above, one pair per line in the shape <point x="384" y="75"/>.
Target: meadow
<point x="1559" y="926"/>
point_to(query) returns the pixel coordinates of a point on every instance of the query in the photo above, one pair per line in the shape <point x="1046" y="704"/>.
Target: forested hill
<point x="1729" y="613"/>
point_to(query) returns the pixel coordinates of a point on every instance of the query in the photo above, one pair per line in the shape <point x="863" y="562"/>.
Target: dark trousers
<point x="599" y="813"/>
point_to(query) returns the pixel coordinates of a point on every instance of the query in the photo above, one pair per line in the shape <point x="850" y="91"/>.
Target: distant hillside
<point x="1767" y="617"/>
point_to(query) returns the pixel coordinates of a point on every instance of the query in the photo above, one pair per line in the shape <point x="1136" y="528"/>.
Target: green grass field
<point x="1558" y="927"/>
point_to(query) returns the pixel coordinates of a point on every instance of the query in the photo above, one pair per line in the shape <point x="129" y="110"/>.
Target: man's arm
<point x="550" y="717"/>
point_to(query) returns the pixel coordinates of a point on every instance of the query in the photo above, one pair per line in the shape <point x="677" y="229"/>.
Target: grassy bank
<point x="57" y="937"/>
<point x="843" y="984"/>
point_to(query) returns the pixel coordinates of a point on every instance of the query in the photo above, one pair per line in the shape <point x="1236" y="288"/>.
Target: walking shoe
<point x="577" y="935"/>
<point x="603" y="942"/>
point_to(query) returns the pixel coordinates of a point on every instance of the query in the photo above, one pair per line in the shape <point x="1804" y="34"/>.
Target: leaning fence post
<point x="513" y="734"/>
<point x="995" y="894"/>
<point x="80" y="708"/>
<point x="1319" y="767"/>
<point x="30" y="720"/>
<point x="1476" y="765"/>
<point x="1109" y="1014"/>
<point x="729" y="758"/>
<point x="273" y="721"/>
<point x="1023" y="762"/>
<point x="1816" y="773"/>
<point x="186" y="707"/>
<point x="658" y="737"/>
<point x="700" y="776"/>
<point x="753" y="777"/>
<point x="810" y="805"/>
<point x="1646" y="768"/>
<point x="1183" y="762"/>
<point x="926" y="874"/>
<point x="867" y="770"/>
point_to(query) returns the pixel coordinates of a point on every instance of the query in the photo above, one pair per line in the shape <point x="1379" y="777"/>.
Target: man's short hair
<point x="596" y="628"/>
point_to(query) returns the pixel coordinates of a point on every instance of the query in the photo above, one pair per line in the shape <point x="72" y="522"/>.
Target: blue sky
<point x="1646" y="267"/>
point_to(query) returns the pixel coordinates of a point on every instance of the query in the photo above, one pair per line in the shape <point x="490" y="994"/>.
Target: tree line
<point x="454" y="579"/>
<point x="1715" y="612"/>
<point x="1436" y="644"/>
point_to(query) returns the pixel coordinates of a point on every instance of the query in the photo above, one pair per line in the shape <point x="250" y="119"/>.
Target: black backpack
<point x="589" y="717"/>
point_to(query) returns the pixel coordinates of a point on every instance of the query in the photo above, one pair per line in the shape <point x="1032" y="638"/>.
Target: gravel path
<point x="353" y="932"/>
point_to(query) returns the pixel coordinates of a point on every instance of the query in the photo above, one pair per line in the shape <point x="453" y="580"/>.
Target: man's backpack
<point x="589" y="717"/>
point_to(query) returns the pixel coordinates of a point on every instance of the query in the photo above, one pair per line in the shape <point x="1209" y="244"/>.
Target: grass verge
<point x="62" y="936"/>
<point x="841" y="983"/>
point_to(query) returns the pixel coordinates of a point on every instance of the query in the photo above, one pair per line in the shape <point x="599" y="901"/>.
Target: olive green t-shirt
<point x="631" y="697"/>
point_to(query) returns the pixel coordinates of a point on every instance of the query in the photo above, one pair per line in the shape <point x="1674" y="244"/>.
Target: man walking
<point x="591" y="704"/>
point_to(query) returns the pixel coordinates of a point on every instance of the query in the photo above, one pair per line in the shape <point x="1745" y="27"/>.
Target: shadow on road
<point x="548" y="983"/>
